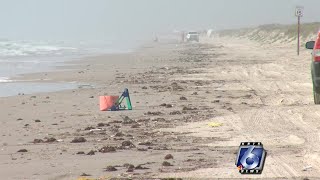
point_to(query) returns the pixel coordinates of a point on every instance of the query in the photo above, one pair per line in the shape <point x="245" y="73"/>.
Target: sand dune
<point x="275" y="33"/>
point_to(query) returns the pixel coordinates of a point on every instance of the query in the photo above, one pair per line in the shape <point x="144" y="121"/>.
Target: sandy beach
<point x="252" y="92"/>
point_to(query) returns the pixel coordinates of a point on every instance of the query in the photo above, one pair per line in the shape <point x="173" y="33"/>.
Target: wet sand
<point x="176" y="90"/>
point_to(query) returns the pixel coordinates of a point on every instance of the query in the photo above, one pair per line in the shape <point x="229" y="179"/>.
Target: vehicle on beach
<point x="315" y="67"/>
<point x="192" y="36"/>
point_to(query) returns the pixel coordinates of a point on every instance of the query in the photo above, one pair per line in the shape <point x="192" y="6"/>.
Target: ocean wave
<point x="13" y="49"/>
<point x="4" y="79"/>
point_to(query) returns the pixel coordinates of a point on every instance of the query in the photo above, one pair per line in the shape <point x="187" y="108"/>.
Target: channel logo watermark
<point x="250" y="158"/>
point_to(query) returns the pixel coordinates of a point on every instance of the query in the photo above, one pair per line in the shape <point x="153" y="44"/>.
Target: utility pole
<point x="299" y="14"/>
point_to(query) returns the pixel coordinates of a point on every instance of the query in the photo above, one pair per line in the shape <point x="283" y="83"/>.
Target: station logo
<point x="250" y="158"/>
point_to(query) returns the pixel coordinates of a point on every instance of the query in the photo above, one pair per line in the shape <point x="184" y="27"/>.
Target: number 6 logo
<point x="249" y="155"/>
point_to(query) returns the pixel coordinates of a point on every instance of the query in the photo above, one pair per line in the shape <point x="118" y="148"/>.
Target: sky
<point x="133" y="19"/>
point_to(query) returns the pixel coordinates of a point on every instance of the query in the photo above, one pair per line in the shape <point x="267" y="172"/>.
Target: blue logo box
<point x="251" y="157"/>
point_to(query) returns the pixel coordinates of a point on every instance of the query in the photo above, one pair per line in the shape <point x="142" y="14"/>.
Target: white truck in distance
<point x="192" y="36"/>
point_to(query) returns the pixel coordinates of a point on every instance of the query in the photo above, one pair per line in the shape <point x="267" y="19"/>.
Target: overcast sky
<point x="120" y="19"/>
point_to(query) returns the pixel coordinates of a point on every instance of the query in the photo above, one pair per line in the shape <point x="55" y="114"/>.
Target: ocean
<point x="23" y="57"/>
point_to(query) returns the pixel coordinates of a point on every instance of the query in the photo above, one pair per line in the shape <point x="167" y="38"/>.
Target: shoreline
<point x="41" y="65"/>
<point x="81" y="65"/>
<point x="74" y="63"/>
<point x="25" y="81"/>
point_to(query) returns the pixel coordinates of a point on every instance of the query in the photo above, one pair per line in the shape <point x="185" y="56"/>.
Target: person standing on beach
<point x="182" y="36"/>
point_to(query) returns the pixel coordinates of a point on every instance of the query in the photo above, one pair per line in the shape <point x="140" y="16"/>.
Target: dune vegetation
<point x="275" y="33"/>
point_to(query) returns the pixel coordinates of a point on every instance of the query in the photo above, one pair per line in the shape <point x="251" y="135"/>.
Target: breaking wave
<point x="4" y="79"/>
<point x="24" y="48"/>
